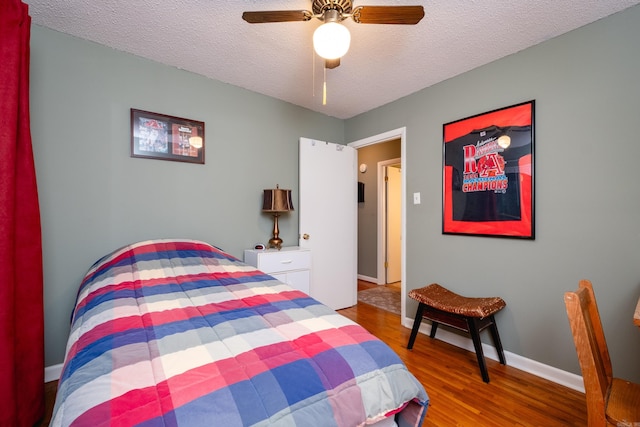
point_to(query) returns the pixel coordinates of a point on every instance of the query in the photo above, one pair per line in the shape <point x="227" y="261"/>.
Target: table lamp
<point x="276" y="201"/>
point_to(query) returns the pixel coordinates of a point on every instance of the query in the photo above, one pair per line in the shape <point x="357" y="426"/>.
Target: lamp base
<point x="275" y="242"/>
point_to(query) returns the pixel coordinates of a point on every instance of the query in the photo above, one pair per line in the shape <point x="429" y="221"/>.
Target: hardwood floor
<point x="451" y="376"/>
<point x="458" y="396"/>
<point x="49" y="399"/>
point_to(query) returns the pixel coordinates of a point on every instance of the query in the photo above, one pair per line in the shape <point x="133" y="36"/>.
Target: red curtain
<point x="21" y="294"/>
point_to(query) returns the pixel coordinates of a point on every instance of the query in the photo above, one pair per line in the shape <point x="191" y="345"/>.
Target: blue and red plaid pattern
<point x="180" y="333"/>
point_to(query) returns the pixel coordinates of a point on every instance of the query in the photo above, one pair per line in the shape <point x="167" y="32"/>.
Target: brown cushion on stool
<point x="471" y="315"/>
<point x="443" y="299"/>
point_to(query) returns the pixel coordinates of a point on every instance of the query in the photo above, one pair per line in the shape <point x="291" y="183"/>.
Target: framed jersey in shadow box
<point x="488" y="174"/>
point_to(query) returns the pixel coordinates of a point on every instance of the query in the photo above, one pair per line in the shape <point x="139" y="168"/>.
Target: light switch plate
<point x="416" y="198"/>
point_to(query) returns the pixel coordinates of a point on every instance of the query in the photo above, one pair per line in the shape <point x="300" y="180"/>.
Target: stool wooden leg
<point x="434" y="328"/>
<point x="416" y="326"/>
<point x="477" y="344"/>
<point x="496" y="340"/>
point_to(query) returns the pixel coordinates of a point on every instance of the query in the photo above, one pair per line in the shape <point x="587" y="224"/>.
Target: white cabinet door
<point x="328" y="218"/>
<point x="290" y="265"/>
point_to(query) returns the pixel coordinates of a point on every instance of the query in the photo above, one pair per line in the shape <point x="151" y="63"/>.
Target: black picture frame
<point x="488" y="173"/>
<point x="163" y="137"/>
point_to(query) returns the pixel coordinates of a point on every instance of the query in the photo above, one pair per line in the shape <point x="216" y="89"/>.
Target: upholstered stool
<point x="471" y="315"/>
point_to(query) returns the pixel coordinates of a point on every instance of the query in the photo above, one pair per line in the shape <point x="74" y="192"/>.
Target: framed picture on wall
<point x="162" y="137"/>
<point x="488" y="174"/>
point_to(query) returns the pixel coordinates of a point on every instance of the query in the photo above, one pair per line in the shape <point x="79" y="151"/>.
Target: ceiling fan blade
<point x="331" y="63"/>
<point x="406" y="15"/>
<point x="276" y="16"/>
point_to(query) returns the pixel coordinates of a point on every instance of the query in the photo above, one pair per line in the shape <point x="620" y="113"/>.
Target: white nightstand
<point x="291" y="265"/>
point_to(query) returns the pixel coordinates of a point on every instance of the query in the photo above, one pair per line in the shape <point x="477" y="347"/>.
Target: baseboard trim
<point x="52" y="373"/>
<point x="367" y="278"/>
<point x="547" y="372"/>
<point x="567" y="379"/>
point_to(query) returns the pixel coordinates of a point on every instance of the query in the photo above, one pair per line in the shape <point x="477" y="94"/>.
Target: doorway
<point x="377" y="139"/>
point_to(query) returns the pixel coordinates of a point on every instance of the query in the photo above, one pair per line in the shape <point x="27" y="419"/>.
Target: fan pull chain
<point x="324" y="86"/>
<point x="313" y="79"/>
<point x="313" y="72"/>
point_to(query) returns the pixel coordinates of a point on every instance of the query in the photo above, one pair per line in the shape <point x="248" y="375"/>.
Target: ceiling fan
<point x="331" y="40"/>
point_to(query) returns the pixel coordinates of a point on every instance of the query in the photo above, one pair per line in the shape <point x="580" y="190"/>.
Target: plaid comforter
<point x="168" y="333"/>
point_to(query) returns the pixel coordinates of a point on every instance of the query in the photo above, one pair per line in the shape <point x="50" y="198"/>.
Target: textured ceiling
<point x="384" y="63"/>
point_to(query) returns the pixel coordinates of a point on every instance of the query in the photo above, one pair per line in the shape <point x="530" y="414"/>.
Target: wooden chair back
<point x="592" y="350"/>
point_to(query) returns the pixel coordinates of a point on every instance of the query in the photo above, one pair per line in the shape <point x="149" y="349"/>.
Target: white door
<point x="394" y="224"/>
<point x="328" y="220"/>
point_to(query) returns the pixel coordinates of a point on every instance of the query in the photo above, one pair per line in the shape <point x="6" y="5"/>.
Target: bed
<point x="180" y="333"/>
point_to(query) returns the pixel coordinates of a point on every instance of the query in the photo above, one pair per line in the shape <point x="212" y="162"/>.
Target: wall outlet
<point x="416" y="198"/>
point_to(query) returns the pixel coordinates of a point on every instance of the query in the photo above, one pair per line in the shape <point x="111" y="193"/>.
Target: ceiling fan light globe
<point x="331" y="40"/>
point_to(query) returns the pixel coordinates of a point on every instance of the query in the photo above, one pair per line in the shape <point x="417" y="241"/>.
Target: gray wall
<point x="95" y="198"/>
<point x="587" y="199"/>
<point x="368" y="211"/>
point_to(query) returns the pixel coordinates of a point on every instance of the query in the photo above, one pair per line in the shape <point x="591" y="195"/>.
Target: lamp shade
<point x="277" y="200"/>
<point x="331" y="40"/>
